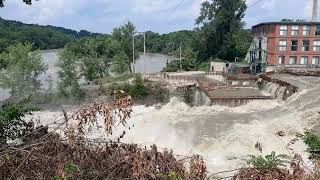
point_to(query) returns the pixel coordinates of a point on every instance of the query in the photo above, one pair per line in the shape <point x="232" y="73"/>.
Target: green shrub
<point x="170" y="176"/>
<point x="71" y="168"/>
<point x="137" y="90"/>
<point x="271" y="161"/>
<point x="12" y="124"/>
<point x="313" y="143"/>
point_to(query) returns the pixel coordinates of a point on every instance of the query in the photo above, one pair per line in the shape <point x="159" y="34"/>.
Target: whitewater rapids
<point x="225" y="136"/>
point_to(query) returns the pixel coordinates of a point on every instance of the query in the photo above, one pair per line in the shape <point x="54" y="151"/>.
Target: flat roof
<point x="288" y="23"/>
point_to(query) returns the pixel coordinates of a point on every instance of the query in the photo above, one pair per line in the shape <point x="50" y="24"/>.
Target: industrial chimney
<point x="315" y="11"/>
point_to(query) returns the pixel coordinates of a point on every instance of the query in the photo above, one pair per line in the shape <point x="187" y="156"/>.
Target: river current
<point x="224" y="136"/>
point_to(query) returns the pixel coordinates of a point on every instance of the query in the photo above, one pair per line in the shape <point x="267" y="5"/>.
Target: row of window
<point x="303" y="60"/>
<point x="306" y="30"/>
<point x="305" y="45"/>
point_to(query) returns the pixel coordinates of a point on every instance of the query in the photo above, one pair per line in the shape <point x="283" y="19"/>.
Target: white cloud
<point x="156" y="15"/>
<point x="270" y="4"/>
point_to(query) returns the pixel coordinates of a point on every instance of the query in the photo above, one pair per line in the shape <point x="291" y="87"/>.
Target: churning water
<point x="225" y="136"/>
<point x="275" y="90"/>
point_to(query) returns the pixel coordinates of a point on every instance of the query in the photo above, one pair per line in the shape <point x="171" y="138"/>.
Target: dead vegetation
<point x="74" y="156"/>
<point x="55" y="159"/>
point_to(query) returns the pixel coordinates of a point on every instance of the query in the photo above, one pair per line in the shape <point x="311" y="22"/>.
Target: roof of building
<point x="288" y="23"/>
<point x="240" y="65"/>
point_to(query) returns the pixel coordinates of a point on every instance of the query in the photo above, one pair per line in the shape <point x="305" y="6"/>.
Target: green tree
<point x="23" y="68"/>
<point x="123" y="34"/>
<point x="119" y="63"/>
<point x="92" y="64"/>
<point x="69" y="74"/>
<point x="219" y="21"/>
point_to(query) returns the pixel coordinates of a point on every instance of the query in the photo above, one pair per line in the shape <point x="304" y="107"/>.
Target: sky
<point x="160" y="16"/>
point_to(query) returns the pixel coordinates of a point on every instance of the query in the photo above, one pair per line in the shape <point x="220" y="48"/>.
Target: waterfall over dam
<point x="223" y="135"/>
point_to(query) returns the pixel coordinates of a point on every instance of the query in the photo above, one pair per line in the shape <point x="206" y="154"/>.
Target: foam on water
<point x="192" y="129"/>
<point x="224" y="135"/>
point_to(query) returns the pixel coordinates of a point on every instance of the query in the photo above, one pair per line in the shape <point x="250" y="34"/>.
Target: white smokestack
<point x="315" y="11"/>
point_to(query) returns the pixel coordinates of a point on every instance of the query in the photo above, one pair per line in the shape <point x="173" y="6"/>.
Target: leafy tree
<point x="92" y="68"/>
<point x="92" y="65"/>
<point x="219" y="21"/>
<point x="97" y="55"/>
<point x="69" y="75"/>
<point x="120" y="63"/>
<point x="23" y="67"/>
<point x="123" y="34"/>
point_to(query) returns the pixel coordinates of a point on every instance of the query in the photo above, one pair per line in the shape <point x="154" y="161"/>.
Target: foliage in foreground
<point x="275" y="166"/>
<point x="313" y="143"/>
<point x="271" y="161"/>
<point x="78" y="157"/>
<point x="12" y="124"/>
<point x="55" y="159"/>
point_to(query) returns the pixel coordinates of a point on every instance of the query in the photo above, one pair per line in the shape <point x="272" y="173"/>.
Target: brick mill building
<point x="287" y="44"/>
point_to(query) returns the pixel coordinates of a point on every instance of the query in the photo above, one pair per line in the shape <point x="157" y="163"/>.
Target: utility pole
<point x="133" y="54"/>
<point x="144" y="49"/>
<point x="180" y="56"/>
<point x="144" y="53"/>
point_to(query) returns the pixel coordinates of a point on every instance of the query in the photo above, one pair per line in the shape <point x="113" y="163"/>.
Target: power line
<point x="181" y="2"/>
<point x="255" y="3"/>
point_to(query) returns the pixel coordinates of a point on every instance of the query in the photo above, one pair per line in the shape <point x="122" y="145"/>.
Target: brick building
<point x="289" y="44"/>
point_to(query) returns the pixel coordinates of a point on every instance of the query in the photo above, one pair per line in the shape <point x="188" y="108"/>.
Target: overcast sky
<point x="156" y="15"/>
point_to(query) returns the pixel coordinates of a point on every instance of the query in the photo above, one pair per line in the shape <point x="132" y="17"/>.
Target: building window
<point x="282" y="59"/>
<point x="304" y="60"/>
<point x="283" y="30"/>
<point x="317" y="32"/>
<point x="282" y="45"/>
<point x="306" y="30"/>
<point x="293" y="60"/>
<point x="316" y="46"/>
<point x="305" y="45"/>
<point x="294" y="45"/>
<point x="294" y="30"/>
<point x="260" y="44"/>
<point x="316" y="60"/>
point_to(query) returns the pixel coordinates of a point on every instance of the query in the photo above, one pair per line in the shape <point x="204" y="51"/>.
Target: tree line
<point x="42" y="37"/>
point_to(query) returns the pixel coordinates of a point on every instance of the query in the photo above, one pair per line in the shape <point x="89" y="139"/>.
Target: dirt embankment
<point x="315" y="73"/>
